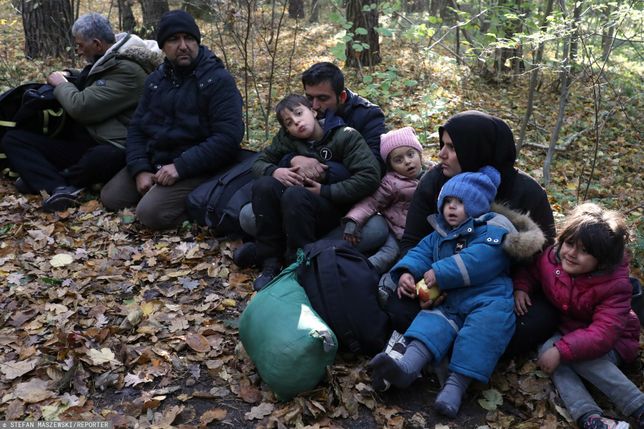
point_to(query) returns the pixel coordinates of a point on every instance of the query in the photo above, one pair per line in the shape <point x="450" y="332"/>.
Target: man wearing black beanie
<point x="188" y="125"/>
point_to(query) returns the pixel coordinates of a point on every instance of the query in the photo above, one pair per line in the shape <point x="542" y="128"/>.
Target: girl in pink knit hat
<point x="402" y="152"/>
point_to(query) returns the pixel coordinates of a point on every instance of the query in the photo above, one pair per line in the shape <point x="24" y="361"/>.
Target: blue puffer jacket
<point x="477" y="315"/>
<point x="191" y="118"/>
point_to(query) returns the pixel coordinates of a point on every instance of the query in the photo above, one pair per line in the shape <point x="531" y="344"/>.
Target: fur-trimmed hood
<point x="526" y="240"/>
<point x="145" y="53"/>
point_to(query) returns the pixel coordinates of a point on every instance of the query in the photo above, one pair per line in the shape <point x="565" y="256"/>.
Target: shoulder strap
<point x="330" y="283"/>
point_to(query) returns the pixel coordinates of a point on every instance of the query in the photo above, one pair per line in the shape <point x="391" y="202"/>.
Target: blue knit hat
<point x="475" y="190"/>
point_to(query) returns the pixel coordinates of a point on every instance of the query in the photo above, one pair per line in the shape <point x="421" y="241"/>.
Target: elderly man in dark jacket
<point x="187" y="126"/>
<point x="100" y="99"/>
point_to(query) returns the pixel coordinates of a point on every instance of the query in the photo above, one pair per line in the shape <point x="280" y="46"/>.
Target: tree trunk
<point x="364" y="48"/>
<point x="152" y="11"/>
<point x="47" y="25"/>
<point x="512" y="55"/>
<point x="574" y="39"/>
<point x="534" y="77"/>
<point x="296" y="9"/>
<point x="608" y="33"/>
<point x="315" y="11"/>
<point x="563" y="100"/>
<point x="127" y="21"/>
<point x="415" y="6"/>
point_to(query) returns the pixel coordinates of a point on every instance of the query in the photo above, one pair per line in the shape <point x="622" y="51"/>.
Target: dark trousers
<point x="289" y="217"/>
<point x="45" y="163"/>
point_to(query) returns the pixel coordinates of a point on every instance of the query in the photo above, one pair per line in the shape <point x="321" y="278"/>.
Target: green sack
<point x="288" y="342"/>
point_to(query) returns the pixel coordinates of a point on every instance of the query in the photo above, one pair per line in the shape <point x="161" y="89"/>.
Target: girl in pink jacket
<point x="585" y="276"/>
<point x="402" y="152"/>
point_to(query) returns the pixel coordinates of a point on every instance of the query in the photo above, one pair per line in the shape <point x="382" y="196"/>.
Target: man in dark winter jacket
<point x="188" y="125"/>
<point x="324" y="87"/>
<point x="98" y="102"/>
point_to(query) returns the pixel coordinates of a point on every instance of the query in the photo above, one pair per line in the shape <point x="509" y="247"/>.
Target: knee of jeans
<point x="294" y="199"/>
<point x="549" y="343"/>
<point x="109" y="198"/>
<point x="247" y="220"/>
<point x="150" y="216"/>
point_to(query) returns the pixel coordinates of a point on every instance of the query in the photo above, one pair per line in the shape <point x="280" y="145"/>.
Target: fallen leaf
<point x="102" y="356"/>
<point x="491" y="400"/>
<point x="61" y="259"/>
<point x="13" y="369"/>
<point x="213" y="414"/>
<point x="35" y="390"/>
<point x="259" y="412"/>
<point x="197" y="342"/>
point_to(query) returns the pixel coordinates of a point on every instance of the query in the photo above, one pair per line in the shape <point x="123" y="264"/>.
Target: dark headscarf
<point x="481" y="139"/>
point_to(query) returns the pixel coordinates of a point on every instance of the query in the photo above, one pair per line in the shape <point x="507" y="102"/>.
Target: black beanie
<point x="176" y="21"/>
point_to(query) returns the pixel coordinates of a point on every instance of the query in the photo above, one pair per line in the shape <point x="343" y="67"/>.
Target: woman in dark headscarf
<point x="469" y="141"/>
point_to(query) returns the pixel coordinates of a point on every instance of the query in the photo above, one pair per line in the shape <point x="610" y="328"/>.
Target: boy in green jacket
<point x="292" y="210"/>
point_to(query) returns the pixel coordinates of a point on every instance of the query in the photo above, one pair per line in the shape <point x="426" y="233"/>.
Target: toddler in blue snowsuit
<point x="464" y="257"/>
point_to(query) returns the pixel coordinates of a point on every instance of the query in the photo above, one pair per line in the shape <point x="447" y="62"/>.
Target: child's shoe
<point x="596" y="421"/>
<point x="270" y="269"/>
<point x="245" y="255"/>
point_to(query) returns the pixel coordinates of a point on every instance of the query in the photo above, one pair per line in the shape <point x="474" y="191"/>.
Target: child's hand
<point x="312" y="186"/>
<point x="288" y="176"/>
<point x="521" y="302"/>
<point x="430" y="278"/>
<point x="549" y="360"/>
<point x="406" y="286"/>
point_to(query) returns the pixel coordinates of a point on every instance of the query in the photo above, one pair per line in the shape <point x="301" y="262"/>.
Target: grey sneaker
<point x="62" y="198"/>
<point x="395" y="348"/>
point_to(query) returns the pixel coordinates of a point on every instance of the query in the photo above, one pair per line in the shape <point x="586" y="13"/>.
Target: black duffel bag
<point x="342" y="286"/>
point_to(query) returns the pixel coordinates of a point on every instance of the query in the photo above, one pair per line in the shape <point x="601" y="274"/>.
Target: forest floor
<point x="104" y="319"/>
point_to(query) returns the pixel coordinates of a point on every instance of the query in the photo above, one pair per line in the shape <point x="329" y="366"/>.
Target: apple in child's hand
<point x="426" y="293"/>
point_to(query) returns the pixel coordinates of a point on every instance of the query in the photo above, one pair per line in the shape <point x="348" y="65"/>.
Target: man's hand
<point x="166" y="175"/>
<point x="406" y="286"/>
<point x="312" y="186"/>
<point x="310" y="168"/>
<point x="549" y="360"/>
<point x="521" y="302"/>
<point x="144" y="182"/>
<point x="56" y="78"/>
<point x="288" y="176"/>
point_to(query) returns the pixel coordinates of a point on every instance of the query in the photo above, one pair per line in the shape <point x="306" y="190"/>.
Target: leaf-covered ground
<point x="103" y="319"/>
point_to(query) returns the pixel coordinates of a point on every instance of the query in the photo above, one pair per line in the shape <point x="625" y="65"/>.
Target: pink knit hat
<point x="397" y="138"/>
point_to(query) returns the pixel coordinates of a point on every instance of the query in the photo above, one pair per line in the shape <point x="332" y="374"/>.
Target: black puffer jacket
<point x="366" y="118"/>
<point x="479" y="139"/>
<point x="192" y="118"/>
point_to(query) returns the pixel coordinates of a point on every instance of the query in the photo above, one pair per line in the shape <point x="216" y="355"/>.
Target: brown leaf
<point x="197" y="342"/>
<point x="21" y="317"/>
<point x="249" y="393"/>
<point x="259" y="412"/>
<point x="213" y="414"/>
<point x="35" y="390"/>
<point x="13" y="369"/>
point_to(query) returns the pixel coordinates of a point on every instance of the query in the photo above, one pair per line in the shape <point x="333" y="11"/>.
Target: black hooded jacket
<point x="191" y="117"/>
<point x="479" y="139"/>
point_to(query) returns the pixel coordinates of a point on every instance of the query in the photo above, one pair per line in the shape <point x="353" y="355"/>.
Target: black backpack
<point x="342" y="286"/>
<point x="32" y="107"/>
<point x="217" y="202"/>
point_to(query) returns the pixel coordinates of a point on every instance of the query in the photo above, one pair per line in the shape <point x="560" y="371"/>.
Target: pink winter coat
<point x="595" y="308"/>
<point x="392" y="200"/>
